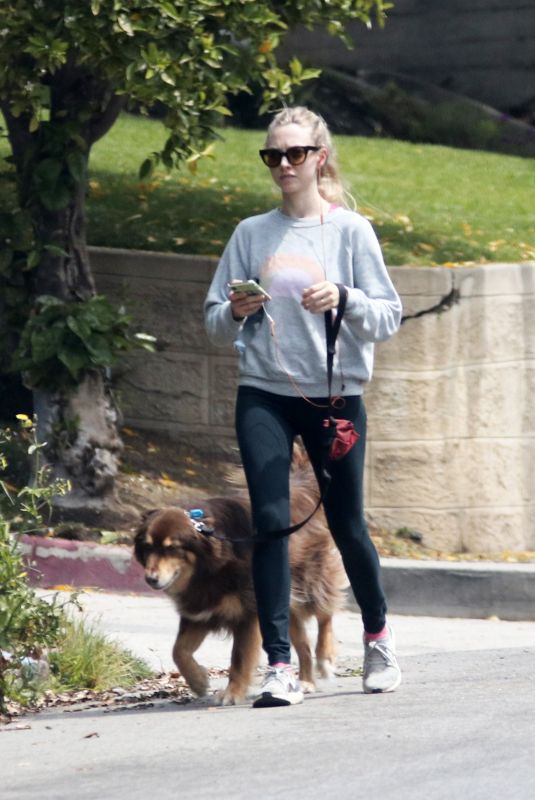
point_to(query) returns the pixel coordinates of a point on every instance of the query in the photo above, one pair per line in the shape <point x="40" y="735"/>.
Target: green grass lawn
<point x="429" y="204"/>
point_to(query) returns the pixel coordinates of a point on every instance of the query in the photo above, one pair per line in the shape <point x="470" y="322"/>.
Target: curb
<point x="62" y="562"/>
<point x="472" y="589"/>
<point x="476" y="590"/>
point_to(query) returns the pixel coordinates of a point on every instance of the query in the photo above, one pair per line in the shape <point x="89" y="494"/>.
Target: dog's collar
<point x="196" y="515"/>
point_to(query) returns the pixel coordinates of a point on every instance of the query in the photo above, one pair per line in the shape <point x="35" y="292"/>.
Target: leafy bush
<point x="63" y="340"/>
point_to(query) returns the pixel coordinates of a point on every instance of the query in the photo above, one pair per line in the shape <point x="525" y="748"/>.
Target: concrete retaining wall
<point x="451" y="448"/>
<point x="481" y="48"/>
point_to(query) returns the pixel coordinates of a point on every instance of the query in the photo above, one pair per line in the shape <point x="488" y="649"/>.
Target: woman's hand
<point x="245" y="305"/>
<point x="320" y="297"/>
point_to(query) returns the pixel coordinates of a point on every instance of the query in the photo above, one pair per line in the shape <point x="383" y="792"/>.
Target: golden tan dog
<point x="210" y="582"/>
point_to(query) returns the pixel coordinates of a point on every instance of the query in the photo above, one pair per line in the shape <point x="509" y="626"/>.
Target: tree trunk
<point x="79" y="425"/>
<point x="83" y="446"/>
<point x="67" y="276"/>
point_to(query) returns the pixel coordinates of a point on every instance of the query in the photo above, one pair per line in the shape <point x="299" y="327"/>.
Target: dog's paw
<point x="199" y="683"/>
<point x="307" y="686"/>
<point x="229" y="697"/>
<point x="325" y="668"/>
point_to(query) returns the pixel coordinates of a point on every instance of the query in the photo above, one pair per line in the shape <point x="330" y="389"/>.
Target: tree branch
<point x="100" y="125"/>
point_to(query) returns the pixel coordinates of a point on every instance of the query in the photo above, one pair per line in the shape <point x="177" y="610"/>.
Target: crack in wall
<point x="445" y="304"/>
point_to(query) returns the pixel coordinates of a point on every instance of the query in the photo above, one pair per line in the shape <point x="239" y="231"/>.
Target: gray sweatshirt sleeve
<point x="373" y="306"/>
<point x="221" y="326"/>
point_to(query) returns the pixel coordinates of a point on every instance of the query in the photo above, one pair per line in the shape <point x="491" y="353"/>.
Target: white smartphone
<point x="249" y="287"/>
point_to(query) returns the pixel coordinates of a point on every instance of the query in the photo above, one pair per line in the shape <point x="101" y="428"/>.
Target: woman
<point x="298" y="253"/>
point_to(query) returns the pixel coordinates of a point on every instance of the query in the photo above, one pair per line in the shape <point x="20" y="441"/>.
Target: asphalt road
<point x="461" y="725"/>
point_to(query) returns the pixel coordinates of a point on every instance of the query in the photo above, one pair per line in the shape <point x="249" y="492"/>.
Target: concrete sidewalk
<point x="428" y="588"/>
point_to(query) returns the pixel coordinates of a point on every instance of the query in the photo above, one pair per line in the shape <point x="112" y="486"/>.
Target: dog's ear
<point x="145" y="518"/>
<point x="146" y="514"/>
<point x="141" y="530"/>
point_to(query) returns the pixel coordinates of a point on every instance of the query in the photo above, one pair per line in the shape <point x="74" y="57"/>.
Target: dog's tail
<point x="305" y="496"/>
<point x="301" y="470"/>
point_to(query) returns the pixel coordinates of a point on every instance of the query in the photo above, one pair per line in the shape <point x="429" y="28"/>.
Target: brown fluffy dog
<point x="210" y="582"/>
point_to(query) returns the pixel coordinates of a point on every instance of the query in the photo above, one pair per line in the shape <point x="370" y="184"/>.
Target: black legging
<point x="266" y="425"/>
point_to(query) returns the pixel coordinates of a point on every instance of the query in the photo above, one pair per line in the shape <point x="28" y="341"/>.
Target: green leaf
<point x="309" y="74"/>
<point x="100" y="350"/>
<point x="76" y="362"/>
<point x="296" y="68"/>
<point x="80" y="328"/>
<point x="44" y="344"/>
<point x="166" y="78"/>
<point x="56" y="250"/>
<point x="169" y="9"/>
<point x="223" y="110"/>
<point x="34" y="257"/>
<point x="125" y="24"/>
<point x="48" y="300"/>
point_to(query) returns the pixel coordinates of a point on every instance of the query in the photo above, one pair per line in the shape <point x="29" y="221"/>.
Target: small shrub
<point x="35" y="630"/>
<point x="29" y="625"/>
<point x="87" y="659"/>
<point x="25" y="505"/>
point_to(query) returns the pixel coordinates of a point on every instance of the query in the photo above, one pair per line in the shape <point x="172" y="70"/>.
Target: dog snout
<point x="152" y="580"/>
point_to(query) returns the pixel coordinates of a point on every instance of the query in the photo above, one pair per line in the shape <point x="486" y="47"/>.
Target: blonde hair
<point x="330" y="184"/>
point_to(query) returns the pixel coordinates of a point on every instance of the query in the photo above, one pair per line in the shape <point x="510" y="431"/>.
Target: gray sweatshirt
<point x="286" y="255"/>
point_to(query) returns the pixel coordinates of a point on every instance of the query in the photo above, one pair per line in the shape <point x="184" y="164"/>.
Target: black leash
<point x="332" y="328"/>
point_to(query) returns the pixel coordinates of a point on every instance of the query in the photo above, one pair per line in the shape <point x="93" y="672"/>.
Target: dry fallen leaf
<point x="168" y="482"/>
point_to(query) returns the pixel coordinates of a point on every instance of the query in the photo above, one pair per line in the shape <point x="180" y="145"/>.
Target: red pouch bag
<point x="339" y="436"/>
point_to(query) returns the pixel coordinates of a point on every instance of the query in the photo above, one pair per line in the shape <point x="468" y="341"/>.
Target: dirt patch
<point x="157" y="471"/>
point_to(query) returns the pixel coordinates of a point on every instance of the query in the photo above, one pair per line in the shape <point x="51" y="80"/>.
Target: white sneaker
<point x="280" y="687"/>
<point x="381" y="671"/>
